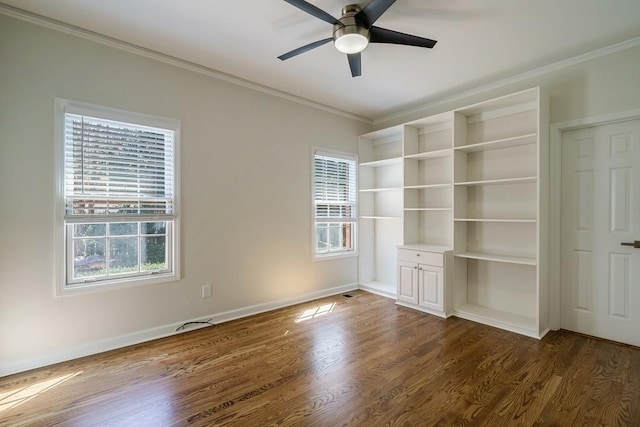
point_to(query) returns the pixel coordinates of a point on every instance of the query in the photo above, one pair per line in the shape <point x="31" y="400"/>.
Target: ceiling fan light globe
<point x="351" y="43"/>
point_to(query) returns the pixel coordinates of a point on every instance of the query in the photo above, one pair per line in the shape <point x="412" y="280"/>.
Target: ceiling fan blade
<point x="313" y="11"/>
<point x="304" y="49"/>
<point x="382" y="35"/>
<point x="374" y="10"/>
<point x="355" y="63"/>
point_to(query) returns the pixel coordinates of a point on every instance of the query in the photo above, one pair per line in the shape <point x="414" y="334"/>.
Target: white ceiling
<point x="478" y="42"/>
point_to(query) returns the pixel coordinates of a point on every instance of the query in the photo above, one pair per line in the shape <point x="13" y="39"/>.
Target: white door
<point x="431" y="287"/>
<point x="408" y="282"/>
<point x="600" y="283"/>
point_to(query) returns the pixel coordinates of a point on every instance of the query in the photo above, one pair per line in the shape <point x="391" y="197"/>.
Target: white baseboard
<point x="377" y="291"/>
<point x="100" y="346"/>
<point x="261" y="308"/>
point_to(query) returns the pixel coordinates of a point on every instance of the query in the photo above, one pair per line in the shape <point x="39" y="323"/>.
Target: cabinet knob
<point x="417" y="254"/>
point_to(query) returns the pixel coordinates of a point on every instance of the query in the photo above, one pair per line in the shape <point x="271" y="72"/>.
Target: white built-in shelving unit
<point x="380" y="209"/>
<point x="472" y="181"/>
<point x="500" y="218"/>
<point x="428" y="190"/>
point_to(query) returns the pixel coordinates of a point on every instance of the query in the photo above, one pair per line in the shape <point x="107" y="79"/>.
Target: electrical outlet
<point x="206" y="291"/>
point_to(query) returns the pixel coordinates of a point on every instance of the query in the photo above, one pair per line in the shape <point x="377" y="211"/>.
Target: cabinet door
<point x="408" y="282"/>
<point x="431" y="287"/>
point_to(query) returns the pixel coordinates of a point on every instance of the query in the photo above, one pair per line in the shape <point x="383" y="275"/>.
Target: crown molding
<point x="376" y="122"/>
<point x="537" y="72"/>
<point x="168" y="59"/>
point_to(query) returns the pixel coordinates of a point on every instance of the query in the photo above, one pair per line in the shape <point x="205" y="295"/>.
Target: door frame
<point x="555" y="199"/>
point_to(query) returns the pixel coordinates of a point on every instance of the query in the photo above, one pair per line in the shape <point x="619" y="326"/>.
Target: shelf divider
<point x="515" y="220"/>
<point x="384" y="162"/>
<point x="497" y="258"/>
<point x="446" y="185"/>
<point x="514" y="141"/>
<point x="519" y="180"/>
<point x="446" y="152"/>
<point x="379" y="217"/>
<point x="379" y="190"/>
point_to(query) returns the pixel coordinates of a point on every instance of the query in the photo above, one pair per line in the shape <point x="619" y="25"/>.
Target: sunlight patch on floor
<point x="19" y="395"/>
<point x="316" y="312"/>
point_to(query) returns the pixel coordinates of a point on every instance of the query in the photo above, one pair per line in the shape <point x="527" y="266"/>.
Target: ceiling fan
<point x="355" y="30"/>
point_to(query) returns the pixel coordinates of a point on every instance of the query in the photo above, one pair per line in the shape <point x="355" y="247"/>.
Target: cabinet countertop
<point x="427" y="248"/>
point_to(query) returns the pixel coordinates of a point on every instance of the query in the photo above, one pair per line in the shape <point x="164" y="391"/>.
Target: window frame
<point x="316" y="256"/>
<point x="62" y="262"/>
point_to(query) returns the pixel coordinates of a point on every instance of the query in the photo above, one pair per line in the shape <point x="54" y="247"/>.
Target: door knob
<point x="635" y="244"/>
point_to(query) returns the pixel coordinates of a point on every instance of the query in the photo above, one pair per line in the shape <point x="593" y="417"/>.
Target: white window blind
<point x="334" y="202"/>
<point x="334" y="189"/>
<point x="117" y="169"/>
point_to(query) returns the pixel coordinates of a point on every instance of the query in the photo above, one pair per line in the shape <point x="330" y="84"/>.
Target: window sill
<point x="330" y="257"/>
<point x="101" y="286"/>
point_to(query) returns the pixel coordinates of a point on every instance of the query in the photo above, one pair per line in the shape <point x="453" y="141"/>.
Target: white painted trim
<point x="95" y="347"/>
<point x="537" y="72"/>
<point x="555" y="202"/>
<point x="620" y="116"/>
<point x="555" y="221"/>
<point x="372" y="290"/>
<point x="261" y="308"/>
<point x="61" y="263"/>
<point x="422" y="309"/>
<point x="168" y="59"/>
<point x="59" y="249"/>
<point x="315" y="257"/>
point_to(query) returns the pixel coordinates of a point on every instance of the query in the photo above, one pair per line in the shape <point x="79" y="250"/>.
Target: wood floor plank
<point x="365" y="362"/>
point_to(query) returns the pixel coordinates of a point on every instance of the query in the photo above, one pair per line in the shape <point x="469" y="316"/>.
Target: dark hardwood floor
<point x="360" y="361"/>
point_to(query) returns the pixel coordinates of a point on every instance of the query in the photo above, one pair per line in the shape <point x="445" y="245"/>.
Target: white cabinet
<point x="408" y="282"/>
<point x="431" y="287"/>
<point x="421" y="278"/>
<point x="421" y="284"/>
<point x="471" y="186"/>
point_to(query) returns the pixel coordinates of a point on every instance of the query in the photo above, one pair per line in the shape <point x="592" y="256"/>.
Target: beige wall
<point x="606" y="84"/>
<point x="245" y="189"/>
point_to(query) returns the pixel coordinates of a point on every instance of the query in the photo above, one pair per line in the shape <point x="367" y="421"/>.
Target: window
<point x="117" y="196"/>
<point x="334" y="204"/>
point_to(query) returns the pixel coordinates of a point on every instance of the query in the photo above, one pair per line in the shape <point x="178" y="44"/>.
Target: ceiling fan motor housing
<point x="353" y="32"/>
<point x="350" y="27"/>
